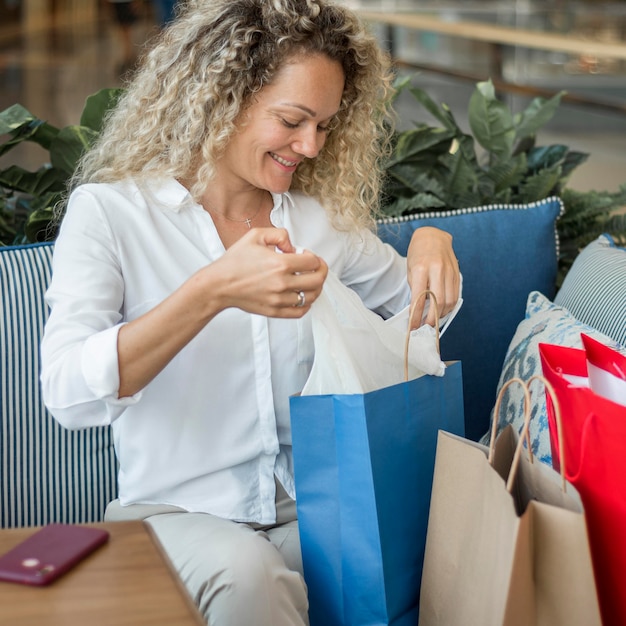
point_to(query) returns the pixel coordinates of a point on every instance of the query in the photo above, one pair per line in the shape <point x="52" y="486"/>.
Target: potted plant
<point x="28" y="199"/>
<point x="438" y="168"/>
<point x="431" y="168"/>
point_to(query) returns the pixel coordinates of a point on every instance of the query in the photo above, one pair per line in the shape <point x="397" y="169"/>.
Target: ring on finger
<point x="301" y="299"/>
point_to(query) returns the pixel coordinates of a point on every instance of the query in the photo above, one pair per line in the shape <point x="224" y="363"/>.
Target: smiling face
<point x="287" y="122"/>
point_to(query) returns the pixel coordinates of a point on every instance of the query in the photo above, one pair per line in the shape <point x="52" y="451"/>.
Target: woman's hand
<point x="432" y="265"/>
<point x="258" y="279"/>
<point x="251" y="275"/>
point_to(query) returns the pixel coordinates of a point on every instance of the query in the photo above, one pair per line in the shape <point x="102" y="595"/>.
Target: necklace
<point x="247" y="221"/>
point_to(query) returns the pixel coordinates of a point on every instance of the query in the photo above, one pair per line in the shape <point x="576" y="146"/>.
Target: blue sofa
<point x="48" y="474"/>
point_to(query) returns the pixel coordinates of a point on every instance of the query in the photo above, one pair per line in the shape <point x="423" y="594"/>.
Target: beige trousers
<point x="238" y="574"/>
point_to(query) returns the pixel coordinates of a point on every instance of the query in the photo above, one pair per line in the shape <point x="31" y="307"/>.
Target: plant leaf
<point x="14" y="117"/>
<point x="69" y="145"/>
<point x="399" y="85"/>
<point x="35" y="131"/>
<point x="414" y="204"/>
<point x="10" y="144"/>
<point x="537" y="114"/>
<point x="508" y="174"/>
<point x="7" y="215"/>
<point x="44" y="180"/>
<point x="97" y="106"/>
<point x="443" y="113"/>
<point x="43" y="134"/>
<point x="466" y="146"/>
<point x="487" y="188"/>
<point x="462" y="185"/>
<point x="491" y="122"/>
<point x="572" y="160"/>
<point x="40" y="223"/>
<point x="525" y="144"/>
<point x="410" y="182"/>
<point x="546" y="156"/>
<point x="405" y="180"/>
<point x="413" y="142"/>
<point x="540" y="185"/>
<point x="587" y="215"/>
<point x="401" y="180"/>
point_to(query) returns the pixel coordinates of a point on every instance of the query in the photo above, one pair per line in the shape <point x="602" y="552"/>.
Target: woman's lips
<point x="282" y="161"/>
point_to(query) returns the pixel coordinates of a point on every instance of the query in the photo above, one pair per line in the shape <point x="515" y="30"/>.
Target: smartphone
<point x="50" y="552"/>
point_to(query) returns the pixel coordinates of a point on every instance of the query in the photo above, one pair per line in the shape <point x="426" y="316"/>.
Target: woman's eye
<point x="320" y="128"/>
<point x="328" y="126"/>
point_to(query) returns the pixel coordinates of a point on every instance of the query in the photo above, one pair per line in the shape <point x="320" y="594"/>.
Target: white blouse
<point x="211" y="431"/>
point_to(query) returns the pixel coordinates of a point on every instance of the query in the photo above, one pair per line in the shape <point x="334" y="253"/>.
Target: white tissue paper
<point x="356" y="351"/>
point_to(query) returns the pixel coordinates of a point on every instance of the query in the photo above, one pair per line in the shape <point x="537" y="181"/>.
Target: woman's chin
<point x="279" y="186"/>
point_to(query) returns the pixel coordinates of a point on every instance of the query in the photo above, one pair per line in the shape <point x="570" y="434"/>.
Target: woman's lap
<point x="236" y="573"/>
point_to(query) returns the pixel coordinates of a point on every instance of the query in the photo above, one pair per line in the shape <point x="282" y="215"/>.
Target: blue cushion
<point x="47" y="474"/>
<point x="505" y="252"/>
<point x="594" y="290"/>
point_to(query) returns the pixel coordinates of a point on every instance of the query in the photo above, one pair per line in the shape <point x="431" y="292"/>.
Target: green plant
<point x="442" y="167"/>
<point x="431" y="167"/>
<point x="28" y="199"/>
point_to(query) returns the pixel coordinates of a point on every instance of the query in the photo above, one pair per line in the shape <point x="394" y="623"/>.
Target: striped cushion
<point x="594" y="290"/>
<point x="47" y="474"/>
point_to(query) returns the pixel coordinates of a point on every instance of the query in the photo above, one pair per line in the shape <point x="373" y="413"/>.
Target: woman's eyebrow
<point x="301" y="107"/>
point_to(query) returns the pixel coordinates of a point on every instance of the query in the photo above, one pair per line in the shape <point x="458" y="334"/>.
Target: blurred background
<point x="54" y="53"/>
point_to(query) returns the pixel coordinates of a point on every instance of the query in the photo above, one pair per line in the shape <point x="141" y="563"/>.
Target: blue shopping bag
<point x="363" y="467"/>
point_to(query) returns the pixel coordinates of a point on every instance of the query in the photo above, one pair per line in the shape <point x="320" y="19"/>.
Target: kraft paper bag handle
<point x="525" y="434"/>
<point x="496" y="415"/>
<point x="426" y="292"/>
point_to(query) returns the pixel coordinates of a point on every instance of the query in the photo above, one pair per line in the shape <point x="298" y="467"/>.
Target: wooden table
<point x="128" y="581"/>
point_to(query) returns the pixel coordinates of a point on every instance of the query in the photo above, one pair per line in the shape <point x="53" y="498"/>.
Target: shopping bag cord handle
<point x="525" y="432"/>
<point x="496" y="415"/>
<point x="426" y="292"/>
<point x="549" y="390"/>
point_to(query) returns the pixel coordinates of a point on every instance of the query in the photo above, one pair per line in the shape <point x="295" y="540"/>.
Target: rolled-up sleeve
<point x="79" y="359"/>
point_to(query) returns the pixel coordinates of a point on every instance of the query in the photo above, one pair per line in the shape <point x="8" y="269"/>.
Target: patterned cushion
<point x="594" y="290"/>
<point x="545" y="322"/>
<point x="505" y="251"/>
<point x="47" y="474"/>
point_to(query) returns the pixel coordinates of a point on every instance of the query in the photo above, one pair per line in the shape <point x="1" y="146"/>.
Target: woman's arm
<point x="129" y="291"/>
<point x="250" y="276"/>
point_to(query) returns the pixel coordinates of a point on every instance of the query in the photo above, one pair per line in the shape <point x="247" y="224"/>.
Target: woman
<point x="179" y="295"/>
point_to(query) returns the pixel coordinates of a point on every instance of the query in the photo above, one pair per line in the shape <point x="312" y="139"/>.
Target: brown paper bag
<point x="507" y="540"/>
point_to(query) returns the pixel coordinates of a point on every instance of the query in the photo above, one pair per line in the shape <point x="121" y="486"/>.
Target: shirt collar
<point x="174" y="196"/>
<point x="283" y="202"/>
<point x="169" y="194"/>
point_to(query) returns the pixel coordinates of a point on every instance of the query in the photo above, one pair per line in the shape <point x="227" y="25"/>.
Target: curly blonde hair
<point x="181" y="108"/>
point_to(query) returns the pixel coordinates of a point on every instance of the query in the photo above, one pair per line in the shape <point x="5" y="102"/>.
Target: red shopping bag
<point x="594" y="441"/>
<point x="606" y="369"/>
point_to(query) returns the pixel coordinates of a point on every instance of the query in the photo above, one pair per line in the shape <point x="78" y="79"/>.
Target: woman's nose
<point x="309" y="141"/>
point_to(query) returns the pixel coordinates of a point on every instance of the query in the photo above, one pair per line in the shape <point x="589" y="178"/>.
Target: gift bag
<point x="606" y="369"/>
<point x="594" y="442"/>
<point x="507" y="539"/>
<point x="363" y="465"/>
